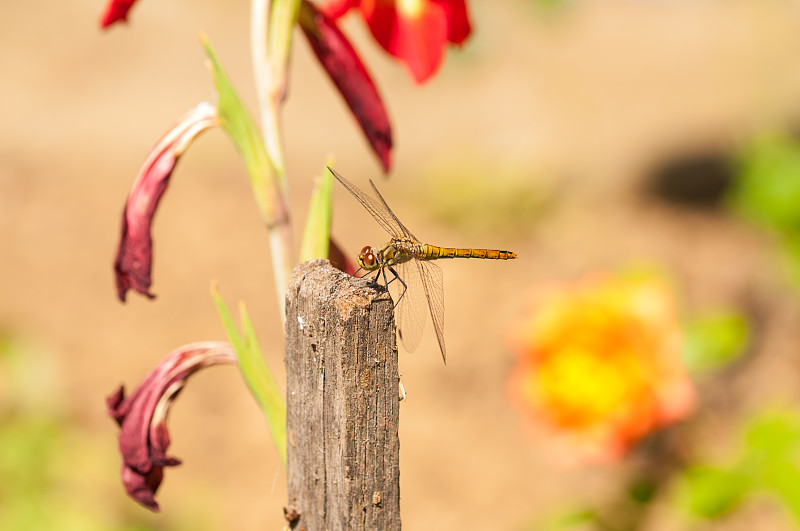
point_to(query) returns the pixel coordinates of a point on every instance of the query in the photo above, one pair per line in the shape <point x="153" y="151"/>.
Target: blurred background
<point x="587" y="136"/>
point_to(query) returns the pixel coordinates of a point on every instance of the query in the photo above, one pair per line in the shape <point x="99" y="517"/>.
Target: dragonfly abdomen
<point x="432" y="252"/>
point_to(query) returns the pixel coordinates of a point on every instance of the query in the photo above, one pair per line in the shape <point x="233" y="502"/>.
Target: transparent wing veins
<point x="379" y="210"/>
<point x="411" y="309"/>
<point x="433" y="281"/>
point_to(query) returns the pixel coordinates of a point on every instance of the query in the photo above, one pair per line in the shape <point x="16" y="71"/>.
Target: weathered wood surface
<point x="342" y="402"/>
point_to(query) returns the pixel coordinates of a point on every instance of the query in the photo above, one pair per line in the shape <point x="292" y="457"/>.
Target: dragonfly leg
<point x="396" y="277"/>
<point x="368" y="273"/>
<point x="385" y="282"/>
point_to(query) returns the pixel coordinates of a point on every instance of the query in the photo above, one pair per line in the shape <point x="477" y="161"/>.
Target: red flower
<point x="135" y="254"/>
<point x="350" y="76"/>
<point x="143" y="437"/>
<point x="414" y="31"/>
<point x="116" y="10"/>
<point x="600" y="364"/>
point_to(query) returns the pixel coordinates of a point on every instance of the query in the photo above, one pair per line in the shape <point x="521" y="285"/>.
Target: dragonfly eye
<point x="366" y="256"/>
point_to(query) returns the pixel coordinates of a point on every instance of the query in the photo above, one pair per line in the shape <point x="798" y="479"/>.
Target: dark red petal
<point x="135" y="252"/>
<point x="114" y="405"/>
<point x="143" y="437"/>
<point x="142" y="487"/>
<point x="134" y="258"/>
<point x="339" y="260"/>
<point x="350" y="76"/>
<point x="116" y="10"/>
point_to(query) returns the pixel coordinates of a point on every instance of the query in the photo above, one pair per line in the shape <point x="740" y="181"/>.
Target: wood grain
<point x="342" y="402"/>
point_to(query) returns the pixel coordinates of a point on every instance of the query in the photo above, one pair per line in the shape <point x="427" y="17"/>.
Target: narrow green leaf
<point x="255" y="371"/>
<point x="269" y="188"/>
<point x="317" y="234"/>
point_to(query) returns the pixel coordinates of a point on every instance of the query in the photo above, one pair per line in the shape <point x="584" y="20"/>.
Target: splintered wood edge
<point x="332" y="286"/>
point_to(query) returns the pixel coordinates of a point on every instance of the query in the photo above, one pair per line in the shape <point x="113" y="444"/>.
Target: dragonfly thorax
<point x="397" y="251"/>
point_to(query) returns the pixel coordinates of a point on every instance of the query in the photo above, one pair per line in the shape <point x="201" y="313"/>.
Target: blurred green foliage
<point x="767" y="192"/>
<point x="479" y="203"/>
<point x="766" y="464"/>
<point x="572" y="520"/>
<point x="715" y="340"/>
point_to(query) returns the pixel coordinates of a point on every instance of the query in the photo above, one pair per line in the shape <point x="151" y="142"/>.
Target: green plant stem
<point x="259" y="20"/>
<point x="271" y="31"/>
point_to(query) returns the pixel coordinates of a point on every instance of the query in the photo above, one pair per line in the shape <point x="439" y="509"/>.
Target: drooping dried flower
<point x="142" y="416"/>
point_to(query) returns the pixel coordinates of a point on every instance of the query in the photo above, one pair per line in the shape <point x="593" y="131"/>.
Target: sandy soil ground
<point x="579" y="105"/>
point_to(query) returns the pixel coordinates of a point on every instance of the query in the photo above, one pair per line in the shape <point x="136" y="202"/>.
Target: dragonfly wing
<point x="411" y="308"/>
<point x="405" y="231"/>
<point x="433" y="283"/>
<point x="378" y="209"/>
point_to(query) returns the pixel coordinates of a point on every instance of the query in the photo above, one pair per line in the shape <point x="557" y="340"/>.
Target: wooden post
<point x="342" y="407"/>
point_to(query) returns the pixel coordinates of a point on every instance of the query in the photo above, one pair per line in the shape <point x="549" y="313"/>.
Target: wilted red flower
<point x="143" y="437"/>
<point x="600" y="363"/>
<point x="350" y="76"/>
<point x="414" y="31"/>
<point x="116" y="10"/>
<point x="135" y="253"/>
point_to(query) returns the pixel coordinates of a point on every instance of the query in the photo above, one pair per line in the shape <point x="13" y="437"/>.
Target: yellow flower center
<point x="581" y="388"/>
<point x="412" y="8"/>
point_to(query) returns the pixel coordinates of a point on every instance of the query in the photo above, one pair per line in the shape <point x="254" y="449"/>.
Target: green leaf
<point x="317" y="234"/>
<point x="772" y="443"/>
<point x="269" y="187"/>
<point x="783" y="479"/>
<point x="767" y="193"/>
<point x="773" y="434"/>
<point x="255" y="371"/>
<point x="710" y="492"/>
<point x="768" y="185"/>
<point x="715" y="340"/>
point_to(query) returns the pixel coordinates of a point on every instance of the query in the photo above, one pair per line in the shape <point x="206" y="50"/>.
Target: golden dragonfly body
<point x="410" y="262"/>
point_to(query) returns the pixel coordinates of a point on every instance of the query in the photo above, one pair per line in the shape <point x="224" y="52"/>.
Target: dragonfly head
<point x="367" y="258"/>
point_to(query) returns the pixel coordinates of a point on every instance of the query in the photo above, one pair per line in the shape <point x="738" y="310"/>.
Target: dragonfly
<point x="411" y="263"/>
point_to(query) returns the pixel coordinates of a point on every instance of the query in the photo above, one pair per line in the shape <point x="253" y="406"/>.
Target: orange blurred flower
<point x="600" y="363"/>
